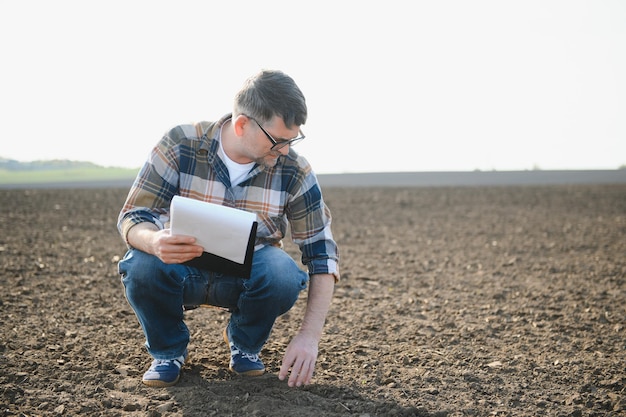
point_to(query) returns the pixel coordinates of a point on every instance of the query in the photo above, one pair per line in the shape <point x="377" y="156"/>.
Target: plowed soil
<point x="469" y="301"/>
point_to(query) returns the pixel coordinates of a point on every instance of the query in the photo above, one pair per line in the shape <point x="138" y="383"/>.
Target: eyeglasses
<point x="276" y="145"/>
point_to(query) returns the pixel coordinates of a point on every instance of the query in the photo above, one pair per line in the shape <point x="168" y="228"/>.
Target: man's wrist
<point x="140" y="236"/>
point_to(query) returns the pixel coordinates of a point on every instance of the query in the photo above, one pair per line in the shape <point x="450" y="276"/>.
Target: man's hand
<point x="171" y="249"/>
<point x="301" y="354"/>
<point x="300" y="358"/>
<point x="175" y="249"/>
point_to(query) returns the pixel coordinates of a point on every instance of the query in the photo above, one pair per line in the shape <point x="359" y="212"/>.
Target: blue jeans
<point x="158" y="292"/>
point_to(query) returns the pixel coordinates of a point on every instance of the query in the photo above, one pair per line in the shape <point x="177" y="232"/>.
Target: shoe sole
<point x="254" y="372"/>
<point x="155" y="383"/>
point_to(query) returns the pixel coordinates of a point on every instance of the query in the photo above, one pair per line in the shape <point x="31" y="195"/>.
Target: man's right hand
<point x="171" y="249"/>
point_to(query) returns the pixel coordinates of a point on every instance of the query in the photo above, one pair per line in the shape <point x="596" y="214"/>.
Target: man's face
<point x="268" y="142"/>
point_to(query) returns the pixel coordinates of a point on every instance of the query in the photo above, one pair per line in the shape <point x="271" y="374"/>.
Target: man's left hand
<point x="299" y="360"/>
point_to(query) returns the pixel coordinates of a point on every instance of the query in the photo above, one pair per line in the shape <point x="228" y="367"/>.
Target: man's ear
<point x="239" y="123"/>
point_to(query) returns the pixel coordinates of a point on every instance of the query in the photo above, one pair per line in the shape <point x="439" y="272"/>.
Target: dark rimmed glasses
<point x="278" y="144"/>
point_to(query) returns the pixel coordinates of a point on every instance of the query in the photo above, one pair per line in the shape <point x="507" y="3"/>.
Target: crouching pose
<point x="246" y="161"/>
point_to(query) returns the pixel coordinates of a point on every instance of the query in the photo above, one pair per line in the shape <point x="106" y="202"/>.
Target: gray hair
<point x="271" y="93"/>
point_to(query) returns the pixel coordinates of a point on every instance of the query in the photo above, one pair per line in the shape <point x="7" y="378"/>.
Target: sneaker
<point x="164" y="372"/>
<point x="243" y="363"/>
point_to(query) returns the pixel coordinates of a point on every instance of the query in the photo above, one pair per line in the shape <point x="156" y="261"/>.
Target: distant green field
<point x="66" y="175"/>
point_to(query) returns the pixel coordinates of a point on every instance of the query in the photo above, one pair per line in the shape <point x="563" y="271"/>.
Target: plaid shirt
<point x="185" y="162"/>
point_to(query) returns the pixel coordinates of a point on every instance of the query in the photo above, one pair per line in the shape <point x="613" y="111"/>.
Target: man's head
<point x="268" y="112"/>
<point x="271" y="93"/>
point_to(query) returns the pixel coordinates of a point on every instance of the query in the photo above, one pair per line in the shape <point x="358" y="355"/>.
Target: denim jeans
<point x="158" y="292"/>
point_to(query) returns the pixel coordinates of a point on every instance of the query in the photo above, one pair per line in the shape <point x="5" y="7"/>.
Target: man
<point x="245" y="161"/>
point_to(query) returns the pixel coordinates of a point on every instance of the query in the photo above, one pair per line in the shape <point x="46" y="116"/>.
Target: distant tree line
<point x="54" y="164"/>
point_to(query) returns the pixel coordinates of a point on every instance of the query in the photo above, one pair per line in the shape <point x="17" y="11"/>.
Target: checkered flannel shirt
<point x="185" y="162"/>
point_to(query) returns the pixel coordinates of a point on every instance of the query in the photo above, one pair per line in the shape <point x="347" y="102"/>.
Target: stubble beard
<point x="268" y="161"/>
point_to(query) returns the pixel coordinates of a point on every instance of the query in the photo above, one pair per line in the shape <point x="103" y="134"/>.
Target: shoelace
<point x="178" y="362"/>
<point x="234" y="351"/>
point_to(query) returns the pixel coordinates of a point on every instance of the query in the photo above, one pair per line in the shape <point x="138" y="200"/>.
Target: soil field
<point x="468" y="301"/>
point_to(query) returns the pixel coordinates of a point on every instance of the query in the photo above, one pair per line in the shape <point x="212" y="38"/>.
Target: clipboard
<point x="228" y="235"/>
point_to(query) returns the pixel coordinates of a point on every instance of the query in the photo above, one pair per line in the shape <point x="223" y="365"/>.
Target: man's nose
<point x="284" y="150"/>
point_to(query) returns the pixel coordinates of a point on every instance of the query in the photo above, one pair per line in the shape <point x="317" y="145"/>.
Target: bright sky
<point x="391" y="85"/>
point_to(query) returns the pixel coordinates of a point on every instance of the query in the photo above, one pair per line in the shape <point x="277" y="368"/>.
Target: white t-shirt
<point x="237" y="172"/>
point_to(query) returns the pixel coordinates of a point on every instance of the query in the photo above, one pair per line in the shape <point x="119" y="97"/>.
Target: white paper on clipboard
<point x="220" y="230"/>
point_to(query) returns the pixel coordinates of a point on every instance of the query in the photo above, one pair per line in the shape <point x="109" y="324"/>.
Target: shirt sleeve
<point x="150" y="195"/>
<point x="310" y="220"/>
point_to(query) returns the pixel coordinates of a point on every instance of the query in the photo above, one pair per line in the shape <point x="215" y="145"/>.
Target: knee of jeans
<point x="139" y="268"/>
<point x="275" y="272"/>
<point x="289" y="283"/>
<point x="290" y="289"/>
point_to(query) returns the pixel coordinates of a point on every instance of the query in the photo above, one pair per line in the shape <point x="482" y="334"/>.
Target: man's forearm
<point x="139" y="236"/>
<point x="321" y="290"/>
